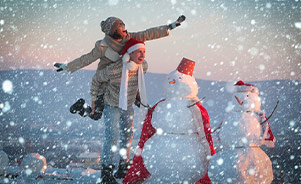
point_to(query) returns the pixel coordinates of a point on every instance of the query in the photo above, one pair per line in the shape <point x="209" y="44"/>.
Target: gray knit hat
<point x="110" y="25"/>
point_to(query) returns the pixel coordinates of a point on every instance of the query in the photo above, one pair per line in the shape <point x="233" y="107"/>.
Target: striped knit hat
<point x="110" y="25"/>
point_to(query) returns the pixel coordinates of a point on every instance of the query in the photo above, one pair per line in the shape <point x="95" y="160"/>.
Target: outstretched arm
<point x="157" y="32"/>
<point x="81" y="62"/>
<point x="98" y="80"/>
<point x="151" y="34"/>
<point x="102" y="77"/>
<point x="97" y="84"/>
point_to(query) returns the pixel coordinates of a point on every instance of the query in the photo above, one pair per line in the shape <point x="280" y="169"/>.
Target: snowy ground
<point x="53" y="129"/>
<point x="54" y="176"/>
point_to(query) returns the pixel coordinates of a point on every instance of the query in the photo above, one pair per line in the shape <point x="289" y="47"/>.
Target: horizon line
<point x="31" y="69"/>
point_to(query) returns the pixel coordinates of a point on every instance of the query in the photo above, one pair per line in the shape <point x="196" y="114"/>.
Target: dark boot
<point x="122" y="169"/>
<point x="107" y="175"/>
<point x="85" y="110"/>
<point x="78" y="107"/>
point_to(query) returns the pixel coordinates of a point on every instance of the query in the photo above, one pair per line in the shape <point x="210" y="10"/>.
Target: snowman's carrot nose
<point x="172" y="82"/>
<point x="239" y="101"/>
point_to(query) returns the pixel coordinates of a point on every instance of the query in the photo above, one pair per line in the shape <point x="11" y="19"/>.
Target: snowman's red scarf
<point x="269" y="140"/>
<point x="138" y="172"/>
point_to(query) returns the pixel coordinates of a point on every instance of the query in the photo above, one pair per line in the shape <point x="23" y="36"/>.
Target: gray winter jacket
<point x="107" y="55"/>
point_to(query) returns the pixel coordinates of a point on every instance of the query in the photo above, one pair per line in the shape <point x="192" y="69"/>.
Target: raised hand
<point x="177" y="22"/>
<point x="60" y="66"/>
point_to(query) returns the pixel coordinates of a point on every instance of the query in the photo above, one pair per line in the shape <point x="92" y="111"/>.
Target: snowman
<point x="242" y="132"/>
<point x="3" y="162"/>
<point x="173" y="147"/>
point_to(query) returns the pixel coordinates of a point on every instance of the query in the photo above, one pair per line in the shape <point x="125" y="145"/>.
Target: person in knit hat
<point x="124" y="79"/>
<point x="108" y="50"/>
<point x="113" y="26"/>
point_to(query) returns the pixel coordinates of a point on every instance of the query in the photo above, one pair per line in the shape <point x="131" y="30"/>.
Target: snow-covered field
<point x="54" y="175"/>
<point x="35" y="117"/>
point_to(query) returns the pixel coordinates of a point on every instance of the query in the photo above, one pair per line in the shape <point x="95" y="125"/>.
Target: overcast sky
<point x="228" y="40"/>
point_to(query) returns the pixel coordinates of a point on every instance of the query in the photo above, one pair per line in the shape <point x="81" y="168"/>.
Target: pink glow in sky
<point x="229" y="40"/>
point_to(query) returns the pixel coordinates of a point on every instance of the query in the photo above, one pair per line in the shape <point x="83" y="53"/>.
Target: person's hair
<point x="116" y="35"/>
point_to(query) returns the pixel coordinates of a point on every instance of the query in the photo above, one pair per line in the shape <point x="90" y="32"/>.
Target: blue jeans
<point x="112" y="117"/>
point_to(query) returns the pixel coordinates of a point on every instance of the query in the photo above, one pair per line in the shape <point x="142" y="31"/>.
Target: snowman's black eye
<point x="180" y="77"/>
<point x="247" y="95"/>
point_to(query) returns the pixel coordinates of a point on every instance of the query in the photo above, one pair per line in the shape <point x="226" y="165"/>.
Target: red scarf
<point x="269" y="139"/>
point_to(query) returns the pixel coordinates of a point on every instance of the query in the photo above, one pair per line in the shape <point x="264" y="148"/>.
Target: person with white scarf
<point x="107" y="51"/>
<point x="124" y="79"/>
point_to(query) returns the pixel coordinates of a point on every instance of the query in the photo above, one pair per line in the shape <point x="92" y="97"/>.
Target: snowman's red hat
<point x="240" y="86"/>
<point x="186" y="66"/>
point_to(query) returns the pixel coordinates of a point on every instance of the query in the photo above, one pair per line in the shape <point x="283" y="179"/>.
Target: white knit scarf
<point x="123" y="100"/>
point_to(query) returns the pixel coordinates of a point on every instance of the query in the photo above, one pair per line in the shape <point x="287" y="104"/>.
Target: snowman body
<point x="33" y="165"/>
<point x="241" y="166"/>
<point x="175" y="154"/>
<point x="3" y="161"/>
<point x="240" y="129"/>
<point x="241" y="160"/>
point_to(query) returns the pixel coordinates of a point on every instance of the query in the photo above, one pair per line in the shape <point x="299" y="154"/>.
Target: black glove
<point x="80" y="108"/>
<point x="177" y="22"/>
<point x="60" y="66"/>
<point x="138" y="100"/>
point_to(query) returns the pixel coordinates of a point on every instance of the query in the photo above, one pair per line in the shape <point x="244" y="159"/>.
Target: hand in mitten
<point x="60" y="66"/>
<point x="177" y="22"/>
<point x="138" y="100"/>
<point x="97" y="107"/>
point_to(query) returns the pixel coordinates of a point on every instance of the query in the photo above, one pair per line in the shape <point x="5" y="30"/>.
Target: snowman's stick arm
<point x="271" y="114"/>
<point x="147" y="106"/>
<point x="196" y="102"/>
<point x="220" y="126"/>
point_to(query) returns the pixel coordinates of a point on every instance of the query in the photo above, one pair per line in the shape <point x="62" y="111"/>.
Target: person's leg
<point x="111" y="118"/>
<point x="125" y="139"/>
<point x="126" y="132"/>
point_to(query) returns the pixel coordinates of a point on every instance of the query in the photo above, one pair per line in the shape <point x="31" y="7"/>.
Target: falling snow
<point x="67" y="134"/>
<point x="229" y="40"/>
<point x="7" y="86"/>
<point x="297" y="25"/>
